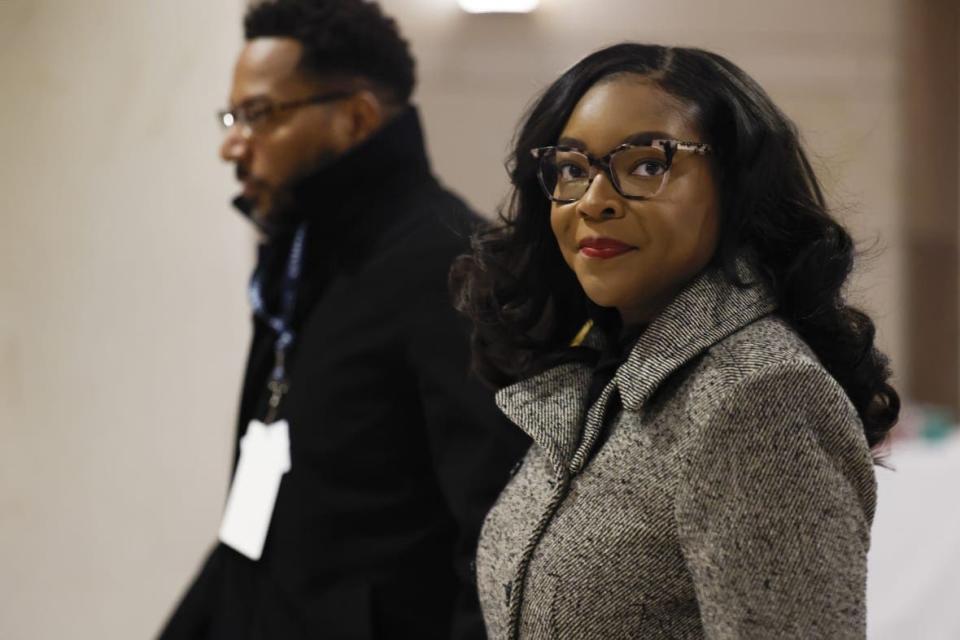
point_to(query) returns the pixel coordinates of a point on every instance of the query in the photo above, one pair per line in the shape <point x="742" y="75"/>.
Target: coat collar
<point x="550" y="407"/>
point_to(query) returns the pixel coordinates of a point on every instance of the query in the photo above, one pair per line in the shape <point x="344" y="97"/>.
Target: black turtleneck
<point x="341" y="204"/>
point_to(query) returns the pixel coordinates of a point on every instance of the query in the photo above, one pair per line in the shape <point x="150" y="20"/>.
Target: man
<point x="358" y="360"/>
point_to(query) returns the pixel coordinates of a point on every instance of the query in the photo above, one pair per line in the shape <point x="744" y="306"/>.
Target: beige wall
<point x="122" y="322"/>
<point x="931" y="98"/>
<point x="122" y="269"/>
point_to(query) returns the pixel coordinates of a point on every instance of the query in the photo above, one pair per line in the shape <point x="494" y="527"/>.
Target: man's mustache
<point x="243" y="175"/>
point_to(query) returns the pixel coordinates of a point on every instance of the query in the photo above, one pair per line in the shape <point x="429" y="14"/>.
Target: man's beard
<point x="277" y="212"/>
<point x="269" y="209"/>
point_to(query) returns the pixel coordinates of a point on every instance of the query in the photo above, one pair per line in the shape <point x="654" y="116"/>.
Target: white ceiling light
<point x="498" y="6"/>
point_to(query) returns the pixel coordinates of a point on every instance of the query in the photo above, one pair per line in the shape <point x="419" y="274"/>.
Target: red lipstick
<point x="603" y="248"/>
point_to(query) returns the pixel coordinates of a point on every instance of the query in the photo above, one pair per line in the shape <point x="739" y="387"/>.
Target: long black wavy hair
<point x="525" y="303"/>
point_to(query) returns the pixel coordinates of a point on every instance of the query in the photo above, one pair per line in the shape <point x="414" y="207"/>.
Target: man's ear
<point x="366" y="113"/>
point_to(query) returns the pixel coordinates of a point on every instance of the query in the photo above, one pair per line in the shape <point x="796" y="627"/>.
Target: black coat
<point x="397" y="452"/>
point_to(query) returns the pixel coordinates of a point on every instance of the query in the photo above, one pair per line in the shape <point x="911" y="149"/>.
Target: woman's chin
<point x="603" y="296"/>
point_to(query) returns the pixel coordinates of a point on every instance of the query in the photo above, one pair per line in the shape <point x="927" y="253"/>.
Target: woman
<point x="701" y="464"/>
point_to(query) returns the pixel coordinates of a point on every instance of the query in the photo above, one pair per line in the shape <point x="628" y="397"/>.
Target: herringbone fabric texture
<point x="730" y="496"/>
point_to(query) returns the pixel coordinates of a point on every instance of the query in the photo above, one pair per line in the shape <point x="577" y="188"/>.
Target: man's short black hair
<point x="339" y="37"/>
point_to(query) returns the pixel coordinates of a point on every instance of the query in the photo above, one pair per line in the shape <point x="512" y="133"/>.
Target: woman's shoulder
<point x="761" y="398"/>
<point x="762" y="393"/>
<point x="762" y="350"/>
<point x="766" y="376"/>
<point x="766" y="345"/>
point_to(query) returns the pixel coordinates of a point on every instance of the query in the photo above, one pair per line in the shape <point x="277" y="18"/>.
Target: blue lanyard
<point x="281" y="324"/>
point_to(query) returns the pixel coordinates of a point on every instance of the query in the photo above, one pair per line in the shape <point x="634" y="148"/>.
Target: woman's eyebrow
<point x="639" y="138"/>
<point x="646" y="137"/>
<point x="572" y="142"/>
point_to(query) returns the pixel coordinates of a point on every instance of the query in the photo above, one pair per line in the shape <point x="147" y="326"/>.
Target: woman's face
<point x="658" y="244"/>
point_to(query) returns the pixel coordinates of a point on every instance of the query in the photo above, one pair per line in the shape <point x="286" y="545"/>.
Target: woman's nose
<point x="601" y="201"/>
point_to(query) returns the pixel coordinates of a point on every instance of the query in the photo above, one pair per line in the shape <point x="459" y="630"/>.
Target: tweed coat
<point x="728" y="493"/>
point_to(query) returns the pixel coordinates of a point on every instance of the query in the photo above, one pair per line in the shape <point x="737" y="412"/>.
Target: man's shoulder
<point x="435" y="226"/>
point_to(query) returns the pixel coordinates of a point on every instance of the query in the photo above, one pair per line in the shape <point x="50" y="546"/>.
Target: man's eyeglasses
<point x="637" y="172"/>
<point x="252" y="115"/>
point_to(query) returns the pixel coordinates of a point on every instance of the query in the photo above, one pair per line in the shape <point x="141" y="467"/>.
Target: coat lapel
<point x="550" y="408"/>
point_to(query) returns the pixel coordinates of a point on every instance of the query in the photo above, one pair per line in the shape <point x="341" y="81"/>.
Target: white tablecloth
<point x="913" y="585"/>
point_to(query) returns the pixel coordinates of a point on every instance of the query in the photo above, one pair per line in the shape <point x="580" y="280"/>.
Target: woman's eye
<point x="649" y="168"/>
<point x="571" y="172"/>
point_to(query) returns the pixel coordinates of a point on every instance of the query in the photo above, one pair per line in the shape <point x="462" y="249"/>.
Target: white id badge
<point x="264" y="458"/>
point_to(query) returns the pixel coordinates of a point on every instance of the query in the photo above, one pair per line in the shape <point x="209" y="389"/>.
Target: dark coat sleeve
<point x="774" y="512"/>
<point x="472" y="445"/>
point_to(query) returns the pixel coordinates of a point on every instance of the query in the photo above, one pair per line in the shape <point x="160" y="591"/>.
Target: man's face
<point x="281" y="145"/>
